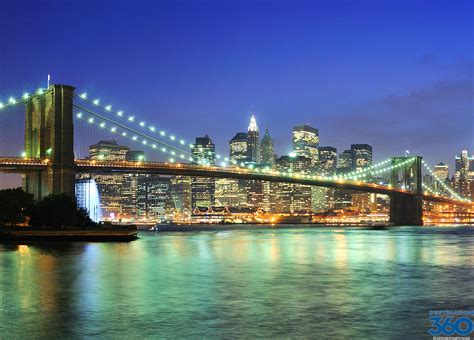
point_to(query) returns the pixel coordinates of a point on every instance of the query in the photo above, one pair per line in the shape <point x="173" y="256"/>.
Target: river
<point x="299" y="282"/>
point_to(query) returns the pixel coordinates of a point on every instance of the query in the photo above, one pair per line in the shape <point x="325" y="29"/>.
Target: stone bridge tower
<point x="49" y="134"/>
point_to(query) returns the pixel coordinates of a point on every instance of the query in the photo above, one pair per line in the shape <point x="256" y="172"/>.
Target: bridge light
<point x="144" y="142"/>
<point x="120" y="113"/>
<point x="152" y="129"/>
<point x="91" y="120"/>
<point x="79" y="115"/>
<point x="140" y="158"/>
<point x="131" y="118"/>
<point x="172" y="137"/>
<point x="218" y="156"/>
<point x="83" y="95"/>
<point x="162" y="133"/>
<point x="124" y="134"/>
<point x="134" y="137"/>
<point x="26" y="95"/>
<point x="191" y="146"/>
<point x="182" y="156"/>
<point x="142" y="124"/>
<point x="12" y="100"/>
<point x="108" y="107"/>
<point x="171" y="160"/>
<point x="163" y="149"/>
<point x="182" y="142"/>
<point x="153" y="146"/>
<point x="39" y="91"/>
<point x="48" y="152"/>
<point x="1" y="105"/>
<point x="102" y="125"/>
<point x="113" y="129"/>
<point x="23" y="154"/>
<point x="96" y="102"/>
<point x="173" y="153"/>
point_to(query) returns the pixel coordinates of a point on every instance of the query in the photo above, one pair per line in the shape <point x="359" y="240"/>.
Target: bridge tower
<point x="49" y="134"/>
<point x="407" y="209"/>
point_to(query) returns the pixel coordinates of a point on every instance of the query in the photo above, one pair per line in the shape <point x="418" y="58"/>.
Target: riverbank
<point x="101" y="234"/>
<point x="225" y="227"/>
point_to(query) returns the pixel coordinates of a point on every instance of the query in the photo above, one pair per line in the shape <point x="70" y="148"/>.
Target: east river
<point x="324" y="282"/>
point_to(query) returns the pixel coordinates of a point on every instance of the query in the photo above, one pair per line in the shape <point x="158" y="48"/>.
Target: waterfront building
<point x="153" y="196"/>
<point x="362" y="156"/>
<point x="267" y="153"/>
<point x="306" y="142"/>
<point x="203" y="189"/>
<point x="227" y="192"/>
<point x="293" y="198"/>
<point x="180" y="207"/>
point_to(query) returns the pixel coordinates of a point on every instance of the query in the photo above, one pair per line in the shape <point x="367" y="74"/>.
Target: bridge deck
<point x="162" y="168"/>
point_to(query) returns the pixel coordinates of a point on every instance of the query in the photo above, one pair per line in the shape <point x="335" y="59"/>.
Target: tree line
<point x="18" y="207"/>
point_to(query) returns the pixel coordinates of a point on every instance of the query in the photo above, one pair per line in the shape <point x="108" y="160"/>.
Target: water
<point x="310" y="282"/>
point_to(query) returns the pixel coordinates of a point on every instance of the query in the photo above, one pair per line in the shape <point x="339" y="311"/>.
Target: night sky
<point x="394" y="74"/>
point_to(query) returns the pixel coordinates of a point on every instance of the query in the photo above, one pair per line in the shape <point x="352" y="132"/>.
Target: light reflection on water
<point x="341" y="282"/>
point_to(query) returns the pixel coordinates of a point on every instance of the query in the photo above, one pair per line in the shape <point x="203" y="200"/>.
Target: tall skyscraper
<point x="441" y="172"/>
<point x="253" y="142"/>
<point x="180" y="200"/>
<point x="267" y="153"/>
<point x="238" y="148"/>
<point x="323" y="198"/>
<point x="203" y="189"/>
<point x="464" y="174"/>
<point x="362" y="154"/>
<point x="306" y="142"/>
<point x="345" y="164"/>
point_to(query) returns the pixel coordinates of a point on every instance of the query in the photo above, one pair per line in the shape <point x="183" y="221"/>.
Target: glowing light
<point x="102" y="125"/>
<point x="144" y="142"/>
<point x="1" y="105"/>
<point x="134" y="137"/>
<point x="120" y="113"/>
<point x="172" y="137"/>
<point x="142" y="123"/>
<point x="12" y="100"/>
<point x="96" y="102"/>
<point x="48" y="152"/>
<point x="23" y="154"/>
<point x="131" y="118"/>
<point x="79" y="115"/>
<point x="162" y="133"/>
<point x="108" y="107"/>
<point x="26" y="95"/>
<point x="39" y="91"/>
<point x="182" y="142"/>
<point x="152" y="128"/>
<point x="91" y="120"/>
<point x="113" y="129"/>
<point x="83" y="95"/>
<point x="124" y="134"/>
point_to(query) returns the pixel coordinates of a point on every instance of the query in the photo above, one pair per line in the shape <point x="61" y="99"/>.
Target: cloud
<point x="442" y="92"/>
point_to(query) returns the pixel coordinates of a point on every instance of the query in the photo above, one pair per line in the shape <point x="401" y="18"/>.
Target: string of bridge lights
<point x="150" y="128"/>
<point x="12" y="101"/>
<point x="447" y="188"/>
<point x="143" y="141"/>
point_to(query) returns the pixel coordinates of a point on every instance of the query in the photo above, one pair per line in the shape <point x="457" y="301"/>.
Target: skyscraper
<point x="306" y="142"/>
<point x="238" y="148"/>
<point x="267" y="153"/>
<point x="323" y="198"/>
<point x="362" y="154"/>
<point x="464" y="174"/>
<point x="253" y="142"/>
<point x="203" y="189"/>
<point x="293" y="198"/>
<point x="345" y="164"/>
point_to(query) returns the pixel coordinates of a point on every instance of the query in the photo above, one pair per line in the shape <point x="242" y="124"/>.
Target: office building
<point x="253" y="142"/>
<point x="306" y="142"/>
<point x="203" y="189"/>
<point x="267" y="152"/>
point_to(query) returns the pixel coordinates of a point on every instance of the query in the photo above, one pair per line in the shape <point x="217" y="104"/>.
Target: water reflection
<point x="343" y="282"/>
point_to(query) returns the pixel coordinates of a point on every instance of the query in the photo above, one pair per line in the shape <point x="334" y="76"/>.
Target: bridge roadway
<point x="22" y="165"/>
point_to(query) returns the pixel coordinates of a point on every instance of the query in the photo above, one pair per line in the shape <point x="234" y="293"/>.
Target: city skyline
<point x="347" y="86"/>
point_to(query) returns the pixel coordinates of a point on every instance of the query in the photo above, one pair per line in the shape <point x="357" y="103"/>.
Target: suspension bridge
<point x="49" y="166"/>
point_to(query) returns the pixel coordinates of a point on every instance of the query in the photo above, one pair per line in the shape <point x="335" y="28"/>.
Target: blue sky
<point x="394" y="74"/>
